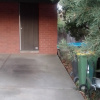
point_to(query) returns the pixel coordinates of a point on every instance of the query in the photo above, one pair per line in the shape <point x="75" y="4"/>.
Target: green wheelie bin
<point x="92" y="62"/>
<point x="82" y="68"/>
<point x="85" y="60"/>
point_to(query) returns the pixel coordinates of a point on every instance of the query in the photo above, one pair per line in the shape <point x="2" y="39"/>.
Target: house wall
<point x="9" y="28"/>
<point x="47" y="29"/>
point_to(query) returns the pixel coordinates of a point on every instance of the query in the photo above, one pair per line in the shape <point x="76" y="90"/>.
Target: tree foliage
<point x="76" y="31"/>
<point x="84" y="14"/>
<point x="61" y="25"/>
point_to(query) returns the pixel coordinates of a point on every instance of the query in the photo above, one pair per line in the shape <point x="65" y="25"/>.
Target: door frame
<point x="37" y="51"/>
<point x="19" y="27"/>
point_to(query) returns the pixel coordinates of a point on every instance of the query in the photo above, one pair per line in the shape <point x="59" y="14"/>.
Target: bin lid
<point x="75" y="44"/>
<point x="86" y="53"/>
<point x="78" y="44"/>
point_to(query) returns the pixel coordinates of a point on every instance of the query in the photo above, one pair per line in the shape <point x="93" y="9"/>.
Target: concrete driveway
<point x="35" y="77"/>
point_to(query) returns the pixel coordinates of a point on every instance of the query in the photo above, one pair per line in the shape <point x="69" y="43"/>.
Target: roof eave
<point x="33" y="1"/>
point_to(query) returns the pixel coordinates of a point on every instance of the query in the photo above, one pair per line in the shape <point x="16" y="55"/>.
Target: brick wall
<point x="9" y="28"/>
<point x="47" y="29"/>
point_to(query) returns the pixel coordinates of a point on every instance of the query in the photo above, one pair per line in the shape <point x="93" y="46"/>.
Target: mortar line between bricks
<point x="5" y="61"/>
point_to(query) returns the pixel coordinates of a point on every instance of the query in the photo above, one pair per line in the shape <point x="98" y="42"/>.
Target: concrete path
<point x="35" y="77"/>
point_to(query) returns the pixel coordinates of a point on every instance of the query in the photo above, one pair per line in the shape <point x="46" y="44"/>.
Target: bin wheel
<point x="71" y="73"/>
<point x="76" y="79"/>
<point x="83" y="88"/>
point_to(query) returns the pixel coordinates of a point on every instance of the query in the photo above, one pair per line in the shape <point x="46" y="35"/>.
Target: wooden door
<point x="29" y="26"/>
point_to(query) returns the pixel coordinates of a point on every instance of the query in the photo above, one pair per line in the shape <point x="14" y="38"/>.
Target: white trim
<point x="19" y="27"/>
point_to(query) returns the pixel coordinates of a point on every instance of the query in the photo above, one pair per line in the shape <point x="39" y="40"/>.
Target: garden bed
<point x="68" y="66"/>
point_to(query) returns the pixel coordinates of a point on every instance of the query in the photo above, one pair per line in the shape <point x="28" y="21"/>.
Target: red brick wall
<point x="47" y="29"/>
<point x="9" y="28"/>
